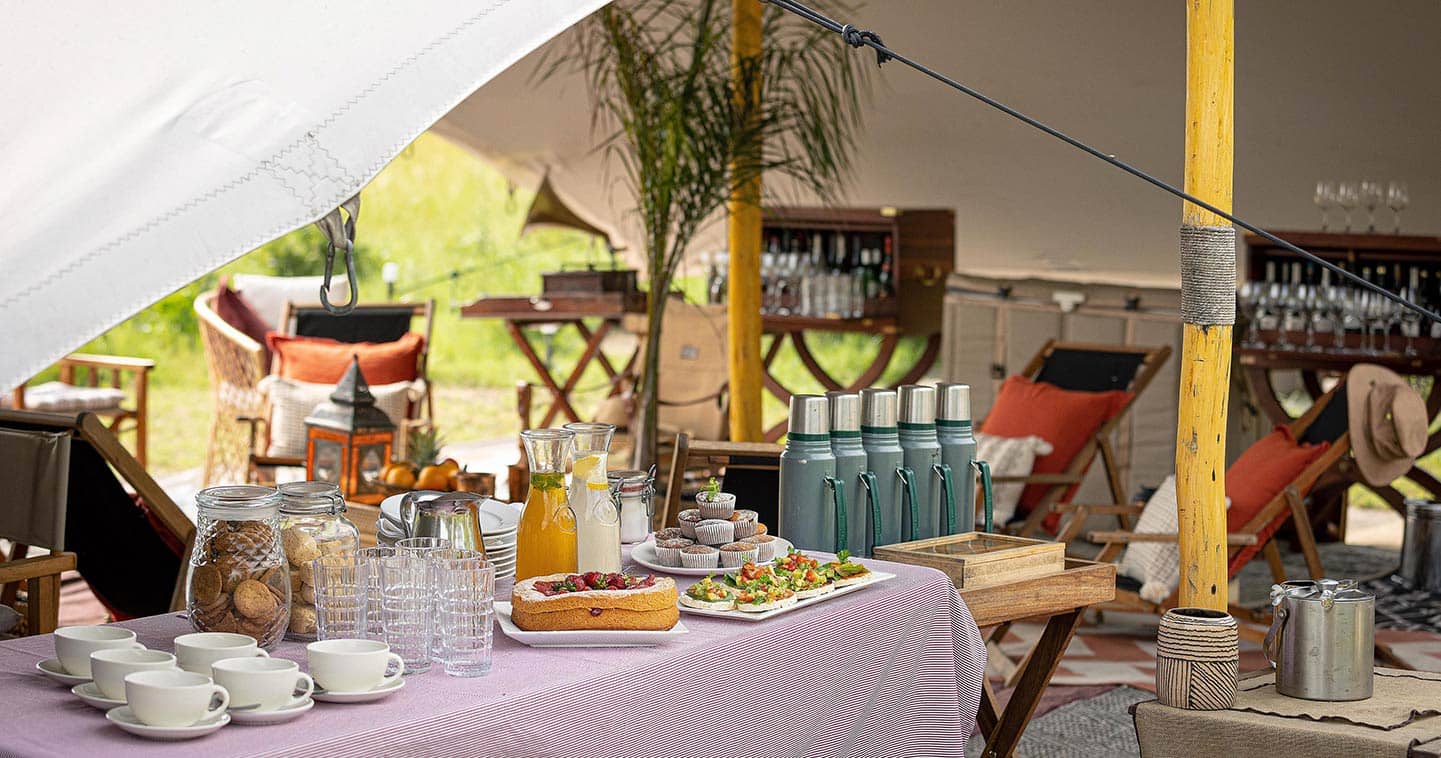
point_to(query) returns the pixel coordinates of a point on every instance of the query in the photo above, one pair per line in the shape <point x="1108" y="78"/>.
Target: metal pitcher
<point x="1322" y="639"/>
<point x="453" y="516"/>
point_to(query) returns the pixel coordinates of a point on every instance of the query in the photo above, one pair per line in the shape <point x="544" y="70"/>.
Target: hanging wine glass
<point x="1325" y="199"/>
<point x="1348" y="196"/>
<point x="1371" y="198"/>
<point x="1397" y="198"/>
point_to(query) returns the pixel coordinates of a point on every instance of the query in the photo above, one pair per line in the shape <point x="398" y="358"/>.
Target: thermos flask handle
<point x="908" y="495"/>
<point x="873" y="504"/>
<point x="838" y="497"/>
<point x="948" y="496"/>
<point x="986" y="497"/>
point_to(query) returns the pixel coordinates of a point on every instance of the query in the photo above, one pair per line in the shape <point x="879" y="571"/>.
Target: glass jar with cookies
<point x="312" y="525"/>
<point x="239" y="579"/>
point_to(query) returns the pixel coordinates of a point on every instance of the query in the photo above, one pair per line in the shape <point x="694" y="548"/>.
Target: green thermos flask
<point x="812" y="508"/>
<point x="845" y="409"/>
<point x="921" y="513"/>
<point x="882" y="477"/>
<point x="958" y="449"/>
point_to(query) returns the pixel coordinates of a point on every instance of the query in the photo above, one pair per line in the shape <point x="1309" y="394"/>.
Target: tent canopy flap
<point x="143" y="149"/>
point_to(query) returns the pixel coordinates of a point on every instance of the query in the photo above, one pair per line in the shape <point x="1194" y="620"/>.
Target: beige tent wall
<point x="1326" y="89"/>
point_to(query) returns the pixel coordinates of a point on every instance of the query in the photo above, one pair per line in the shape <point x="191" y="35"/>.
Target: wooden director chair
<point x="123" y="533"/>
<point x="1324" y="421"/>
<point x="751" y="471"/>
<point x="1082" y="367"/>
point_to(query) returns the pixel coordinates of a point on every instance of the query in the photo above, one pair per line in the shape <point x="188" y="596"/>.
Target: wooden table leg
<point x="989" y="714"/>
<point x="592" y="349"/>
<point x="559" y="400"/>
<point x="1044" y="657"/>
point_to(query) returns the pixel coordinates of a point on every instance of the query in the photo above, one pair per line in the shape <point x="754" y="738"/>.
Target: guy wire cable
<point x="859" y="38"/>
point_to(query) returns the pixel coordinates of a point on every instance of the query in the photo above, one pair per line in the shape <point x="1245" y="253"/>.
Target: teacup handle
<point x="224" y="702"/>
<point x="306" y="682"/>
<point x="399" y="668"/>
<point x="136" y="645"/>
<point x="260" y="654"/>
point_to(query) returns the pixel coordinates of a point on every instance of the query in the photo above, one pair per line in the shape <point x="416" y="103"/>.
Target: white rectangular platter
<point x="876" y="578"/>
<point x="584" y="637"/>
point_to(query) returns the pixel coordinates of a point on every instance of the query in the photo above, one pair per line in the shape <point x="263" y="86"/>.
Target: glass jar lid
<point x="238" y="502"/>
<point x="310" y="497"/>
<point x="629" y="481"/>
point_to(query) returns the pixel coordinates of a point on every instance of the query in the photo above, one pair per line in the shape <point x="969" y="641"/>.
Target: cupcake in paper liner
<point x="699" y="557"/>
<point x="715" y="532"/>
<point x="670" y="533"/>
<point x="688" y="519"/>
<point x="765" y="546"/>
<point x="738" y="554"/>
<point x="715" y="504"/>
<point x="667" y="552"/>
<point x="745" y="523"/>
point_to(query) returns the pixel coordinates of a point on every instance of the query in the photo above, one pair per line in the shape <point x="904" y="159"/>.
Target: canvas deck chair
<point x="1325" y="421"/>
<point x="751" y="472"/>
<point x="129" y="539"/>
<point x="1082" y="367"/>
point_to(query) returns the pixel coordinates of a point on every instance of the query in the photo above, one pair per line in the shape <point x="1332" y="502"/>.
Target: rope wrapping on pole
<point x="1208" y="275"/>
<point x="884" y="53"/>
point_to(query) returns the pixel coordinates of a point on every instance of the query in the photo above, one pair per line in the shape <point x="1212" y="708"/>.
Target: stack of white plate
<point x="498" y="524"/>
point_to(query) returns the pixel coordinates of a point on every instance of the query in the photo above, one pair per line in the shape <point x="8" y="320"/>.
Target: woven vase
<point x="1196" y="658"/>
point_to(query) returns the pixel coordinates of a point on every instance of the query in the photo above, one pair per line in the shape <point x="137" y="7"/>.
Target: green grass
<point x="452" y="224"/>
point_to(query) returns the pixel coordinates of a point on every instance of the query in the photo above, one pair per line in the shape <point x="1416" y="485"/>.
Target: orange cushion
<point x="320" y="360"/>
<point x="1263" y="471"/>
<point x="1064" y="418"/>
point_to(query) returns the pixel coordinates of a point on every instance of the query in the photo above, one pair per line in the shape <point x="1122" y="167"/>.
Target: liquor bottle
<point x="887" y="267"/>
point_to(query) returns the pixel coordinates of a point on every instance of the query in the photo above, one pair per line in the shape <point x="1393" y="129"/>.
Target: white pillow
<point x="1009" y="456"/>
<point x="292" y="401"/>
<point x="1156" y="565"/>
<point x="269" y="294"/>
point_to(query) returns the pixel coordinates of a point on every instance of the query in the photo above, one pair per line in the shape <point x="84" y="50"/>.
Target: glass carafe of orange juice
<point x="545" y="540"/>
<point x="597" y="520"/>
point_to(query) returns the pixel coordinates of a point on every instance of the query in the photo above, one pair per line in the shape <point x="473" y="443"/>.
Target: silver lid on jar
<point x="845" y="409"/>
<point x="878" y="407"/>
<point x="810" y="414"/>
<point x="918" y="404"/>
<point x="953" y="401"/>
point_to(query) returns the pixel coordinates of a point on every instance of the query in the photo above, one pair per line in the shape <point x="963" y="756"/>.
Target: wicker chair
<point x="237" y="364"/>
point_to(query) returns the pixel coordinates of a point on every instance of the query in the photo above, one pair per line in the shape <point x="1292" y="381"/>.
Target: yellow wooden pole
<point x="744" y="234"/>
<point x="1206" y="349"/>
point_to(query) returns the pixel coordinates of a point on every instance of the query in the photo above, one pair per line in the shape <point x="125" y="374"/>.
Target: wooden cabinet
<point x="911" y="252"/>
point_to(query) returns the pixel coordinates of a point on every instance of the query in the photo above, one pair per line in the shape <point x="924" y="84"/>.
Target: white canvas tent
<point x="149" y="143"/>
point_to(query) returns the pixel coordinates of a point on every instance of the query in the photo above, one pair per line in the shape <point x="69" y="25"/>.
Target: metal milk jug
<point x="1421" y="547"/>
<point x="882" y="478"/>
<point x="845" y="411"/>
<point x="958" y="450"/>
<point x="1322" y="639"/>
<point x="921" y="514"/>
<point x="453" y="516"/>
<point x="812" y="507"/>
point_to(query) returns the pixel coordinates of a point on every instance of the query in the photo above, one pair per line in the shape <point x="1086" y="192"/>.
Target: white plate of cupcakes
<point x="714" y="537"/>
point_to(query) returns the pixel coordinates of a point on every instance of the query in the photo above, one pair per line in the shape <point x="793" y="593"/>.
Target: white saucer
<point x="277" y="716"/>
<point x="93" y="697"/>
<point x="51" y="667"/>
<point x="384" y="690"/>
<point x="123" y="718"/>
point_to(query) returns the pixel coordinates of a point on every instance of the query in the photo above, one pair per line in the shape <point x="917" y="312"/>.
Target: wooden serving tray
<point x="977" y="559"/>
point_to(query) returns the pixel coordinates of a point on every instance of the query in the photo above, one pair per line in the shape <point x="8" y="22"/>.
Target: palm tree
<point x="667" y="101"/>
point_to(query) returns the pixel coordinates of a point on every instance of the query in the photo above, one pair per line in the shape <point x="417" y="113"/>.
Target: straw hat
<point x="1387" y="420"/>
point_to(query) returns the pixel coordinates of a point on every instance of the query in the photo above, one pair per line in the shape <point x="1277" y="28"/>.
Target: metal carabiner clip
<point x="341" y="234"/>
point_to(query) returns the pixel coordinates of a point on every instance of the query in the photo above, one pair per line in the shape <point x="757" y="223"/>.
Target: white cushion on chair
<point x="269" y="294"/>
<point x="292" y="401"/>
<point x="68" y="398"/>
<point x="1156" y="565"/>
<point x="1009" y="456"/>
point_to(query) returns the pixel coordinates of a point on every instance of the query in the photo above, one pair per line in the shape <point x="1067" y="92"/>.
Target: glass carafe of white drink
<point x="597" y="522"/>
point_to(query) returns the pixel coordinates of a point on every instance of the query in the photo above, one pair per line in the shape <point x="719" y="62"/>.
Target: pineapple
<point x="424" y="447"/>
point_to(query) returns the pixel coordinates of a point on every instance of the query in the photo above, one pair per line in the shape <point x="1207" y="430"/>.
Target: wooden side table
<point x="1059" y="598"/>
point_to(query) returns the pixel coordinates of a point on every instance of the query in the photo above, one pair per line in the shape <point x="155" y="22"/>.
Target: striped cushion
<point x="1009" y="456"/>
<point x="68" y="398"/>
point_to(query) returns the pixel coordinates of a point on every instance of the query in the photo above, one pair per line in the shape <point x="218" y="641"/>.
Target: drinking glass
<point x="425" y="548"/>
<point x="465" y="595"/>
<point x="1397" y="198"/>
<point x="340" y="598"/>
<point x="1410" y="322"/>
<point x="1371" y="197"/>
<point x="1325" y="199"/>
<point x="1248" y="300"/>
<point x="407" y="614"/>
<point x="369" y="558"/>
<point x="1348" y="196"/>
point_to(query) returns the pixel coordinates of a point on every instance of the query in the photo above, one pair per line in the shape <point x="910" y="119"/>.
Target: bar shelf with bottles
<point x="1289" y="306"/>
<point x="850" y="269"/>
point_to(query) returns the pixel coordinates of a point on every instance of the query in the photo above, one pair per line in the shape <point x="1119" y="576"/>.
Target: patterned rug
<point x="1098" y="726"/>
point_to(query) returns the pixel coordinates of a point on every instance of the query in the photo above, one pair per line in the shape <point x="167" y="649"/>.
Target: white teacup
<point x="74" y="644"/>
<point x="197" y="651"/>
<point x="352" y="665"/>
<point x="269" y="683"/>
<point x="110" y="667"/>
<point x="173" y="698"/>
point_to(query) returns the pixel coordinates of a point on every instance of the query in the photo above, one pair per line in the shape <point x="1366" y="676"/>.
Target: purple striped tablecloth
<point x="892" y="670"/>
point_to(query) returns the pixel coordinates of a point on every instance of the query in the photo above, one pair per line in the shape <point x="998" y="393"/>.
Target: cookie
<point x="295" y="581"/>
<point x="307" y="575"/>
<point x="337" y="547"/>
<point x="265" y="631"/>
<point x="300" y="547"/>
<point x="253" y="600"/>
<point x="302" y="620"/>
<point x="307" y="594"/>
<point x="206" y="584"/>
<point x="228" y="622"/>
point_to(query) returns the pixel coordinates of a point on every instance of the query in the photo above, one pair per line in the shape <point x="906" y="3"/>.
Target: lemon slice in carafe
<point x="585" y="467"/>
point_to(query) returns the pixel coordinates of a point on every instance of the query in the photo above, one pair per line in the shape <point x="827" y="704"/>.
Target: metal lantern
<point x="349" y="440"/>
